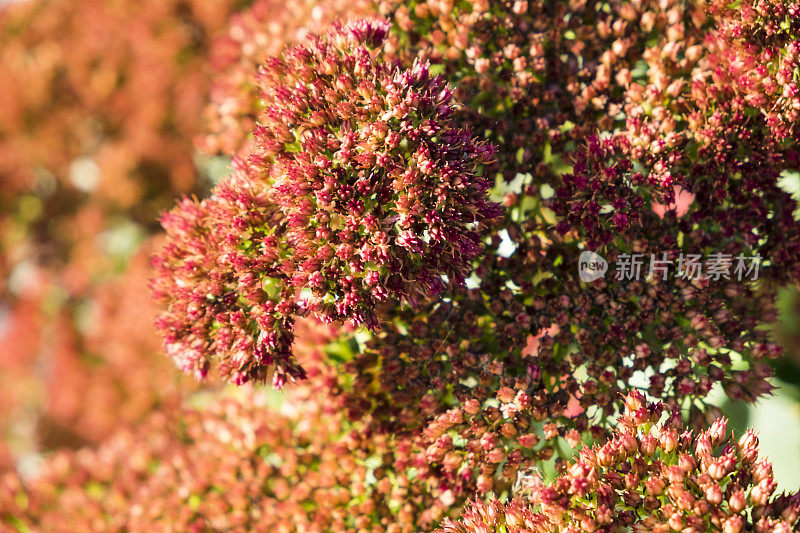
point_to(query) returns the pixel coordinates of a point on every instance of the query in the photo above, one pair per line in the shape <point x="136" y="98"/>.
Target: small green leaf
<point x="790" y="184"/>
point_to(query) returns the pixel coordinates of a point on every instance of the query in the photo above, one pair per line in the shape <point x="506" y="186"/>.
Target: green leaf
<point x="567" y="126"/>
<point x="436" y="70"/>
<point x="790" y="184"/>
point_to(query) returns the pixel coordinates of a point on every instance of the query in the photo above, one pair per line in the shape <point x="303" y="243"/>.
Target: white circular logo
<point x="591" y="266"/>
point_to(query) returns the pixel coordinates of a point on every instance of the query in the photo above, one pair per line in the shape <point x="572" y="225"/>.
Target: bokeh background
<point x="103" y="125"/>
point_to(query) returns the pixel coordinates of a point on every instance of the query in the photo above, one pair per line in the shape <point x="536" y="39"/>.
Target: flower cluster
<point x="262" y="30"/>
<point x="759" y="56"/>
<point x="250" y="462"/>
<point x="454" y="367"/>
<point x="499" y="96"/>
<point x="217" y="305"/>
<point x="381" y="194"/>
<point x="605" y="197"/>
<point x="359" y="190"/>
<point x="652" y="475"/>
<point x="590" y="65"/>
<point x="494" y="516"/>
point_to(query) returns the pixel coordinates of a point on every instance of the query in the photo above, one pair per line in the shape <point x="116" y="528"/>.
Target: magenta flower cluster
<point x="360" y="189"/>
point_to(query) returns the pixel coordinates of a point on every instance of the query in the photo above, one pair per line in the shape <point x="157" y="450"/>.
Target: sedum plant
<point x="653" y="474"/>
<point x="360" y="189"/>
<point x="401" y="247"/>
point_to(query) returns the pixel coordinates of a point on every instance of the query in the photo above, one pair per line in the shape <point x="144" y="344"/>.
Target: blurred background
<point x="102" y="126"/>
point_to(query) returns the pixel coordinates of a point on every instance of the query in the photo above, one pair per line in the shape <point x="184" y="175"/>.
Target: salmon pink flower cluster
<point x="653" y="474"/>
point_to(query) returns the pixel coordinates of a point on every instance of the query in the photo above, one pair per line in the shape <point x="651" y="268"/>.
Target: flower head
<point x="687" y="480"/>
<point x="359" y="189"/>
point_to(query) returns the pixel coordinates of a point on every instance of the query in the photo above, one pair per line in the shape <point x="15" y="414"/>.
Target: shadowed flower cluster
<point x="530" y="323"/>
